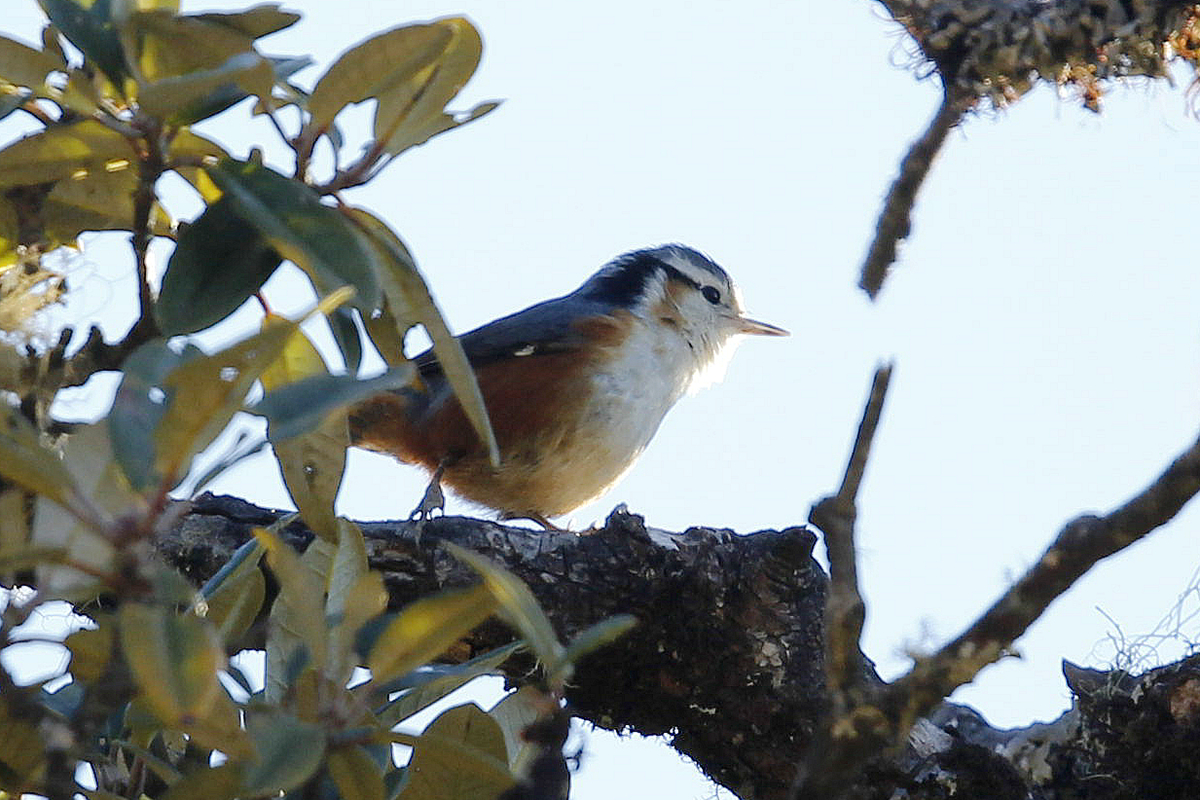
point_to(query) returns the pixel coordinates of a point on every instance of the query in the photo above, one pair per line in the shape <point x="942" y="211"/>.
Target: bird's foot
<point x="433" y="499"/>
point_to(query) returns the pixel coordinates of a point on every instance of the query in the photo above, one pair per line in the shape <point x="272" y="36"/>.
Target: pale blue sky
<point x="1042" y="318"/>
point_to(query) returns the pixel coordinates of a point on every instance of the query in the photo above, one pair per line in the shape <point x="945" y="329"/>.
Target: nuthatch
<point x="575" y="387"/>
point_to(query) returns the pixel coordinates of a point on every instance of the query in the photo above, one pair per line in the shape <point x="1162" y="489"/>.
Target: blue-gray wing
<point x="544" y="328"/>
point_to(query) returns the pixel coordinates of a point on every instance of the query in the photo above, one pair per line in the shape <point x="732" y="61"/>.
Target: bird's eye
<point x="711" y="294"/>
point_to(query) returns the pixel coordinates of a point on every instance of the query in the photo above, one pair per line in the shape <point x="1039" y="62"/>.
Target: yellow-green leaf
<point x="443" y="682"/>
<point x="88" y="457"/>
<point x="317" y="238"/>
<point x="298" y="616"/>
<point x="209" y="783"/>
<point x="24" y="460"/>
<point x="257" y="21"/>
<point x="406" y="113"/>
<point x="237" y="601"/>
<point x="97" y="201"/>
<point x="91" y="649"/>
<point x="519" y="607"/>
<point x="22" y="65"/>
<point x="289" y="752"/>
<point x="425" y="629"/>
<point x="312" y="464"/>
<point x="196" y="95"/>
<point x="375" y="66"/>
<point x="174" y="660"/>
<point x="355" y="774"/>
<point x="177" y="44"/>
<point x="63" y="151"/>
<point x="410" y="300"/>
<point x="90" y="26"/>
<point x="460" y="756"/>
<point x="205" y="392"/>
<point x="22" y="752"/>
<point x="514" y="714"/>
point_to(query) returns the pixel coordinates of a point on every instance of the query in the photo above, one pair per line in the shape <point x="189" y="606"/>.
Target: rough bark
<point x="728" y="660"/>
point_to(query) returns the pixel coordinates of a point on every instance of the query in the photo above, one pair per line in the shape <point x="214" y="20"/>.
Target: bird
<point x="575" y="387"/>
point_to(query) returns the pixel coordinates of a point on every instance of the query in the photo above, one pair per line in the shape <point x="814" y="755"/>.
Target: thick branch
<point x="999" y="49"/>
<point x="727" y="658"/>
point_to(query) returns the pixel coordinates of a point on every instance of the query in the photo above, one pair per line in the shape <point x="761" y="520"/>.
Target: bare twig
<point x="895" y="220"/>
<point x="835" y="516"/>
<point x="846" y="686"/>
<point x="884" y="716"/>
<point x="1079" y="545"/>
<point x="151" y="165"/>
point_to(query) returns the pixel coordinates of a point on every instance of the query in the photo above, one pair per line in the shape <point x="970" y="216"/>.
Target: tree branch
<point x="895" y="219"/>
<point x="1078" y="546"/>
<point x="726" y="659"/>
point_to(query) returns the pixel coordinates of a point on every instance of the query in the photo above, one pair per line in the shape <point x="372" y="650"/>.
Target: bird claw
<point x="433" y="499"/>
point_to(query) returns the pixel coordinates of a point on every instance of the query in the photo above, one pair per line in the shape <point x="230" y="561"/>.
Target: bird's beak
<point x="756" y="328"/>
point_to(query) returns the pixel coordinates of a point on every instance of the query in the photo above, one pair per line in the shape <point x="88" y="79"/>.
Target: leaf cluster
<point x="154" y="706"/>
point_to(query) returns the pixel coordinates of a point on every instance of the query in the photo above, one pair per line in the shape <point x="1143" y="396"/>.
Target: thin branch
<point x="151" y="166"/>
<point x="846" y="683"/>
<point x="1080" y="545"/>
<point x="885" y="716"/>
<point x="895" y="220"/>
<point x="835" y="516"/>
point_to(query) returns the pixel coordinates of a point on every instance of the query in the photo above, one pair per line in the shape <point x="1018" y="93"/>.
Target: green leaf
<point x="90" y="27"/>
<point x="245" y="558"/>
<point x="236" y="601"/>
<point x="208" y="783"/>
<point x="173" y="45"/>
<point x="431" y="683"/>
<point x="63" y="151"/>
<point x="24" y="460"/>
<point x="519" y="607"/>
<point x="376" y="66"/>
<point x="91" y="650"/>
<point x="312" y="465"/>
<point x="218" y="263"/>
<point x="514" y="714"/>
<point x="594" y="637"/>
<point x="297" y="616"/>
<point x="354" y="595"/>
<point x="174" y="660"/>
<point x="188" y="98"/>
<point x="317" y="238"/>
<point x="139" y="406"/>
<point x="261" y="20"/>
<point x="460" y="756"/>
<point x="412" y="112"/>
<point x="297" y="408"/>
<point x="22" y="752"/>
<point x="355" y="774"/>
<point x="426" y="628"/>
<point x="11" y="102"/>
<point x="345" y="333"/>
<point x="206" y="392"/>
<point x="289" y="751"/>
<point x="97" y="201"/>
<point x="22" y="65"/>
<point x="409" y="298"/>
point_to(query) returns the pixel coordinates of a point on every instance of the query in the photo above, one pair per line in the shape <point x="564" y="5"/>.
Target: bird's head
<point x="681" y="295"/>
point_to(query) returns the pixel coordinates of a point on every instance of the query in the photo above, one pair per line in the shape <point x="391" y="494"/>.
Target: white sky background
<point x="1042" y="316"/>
